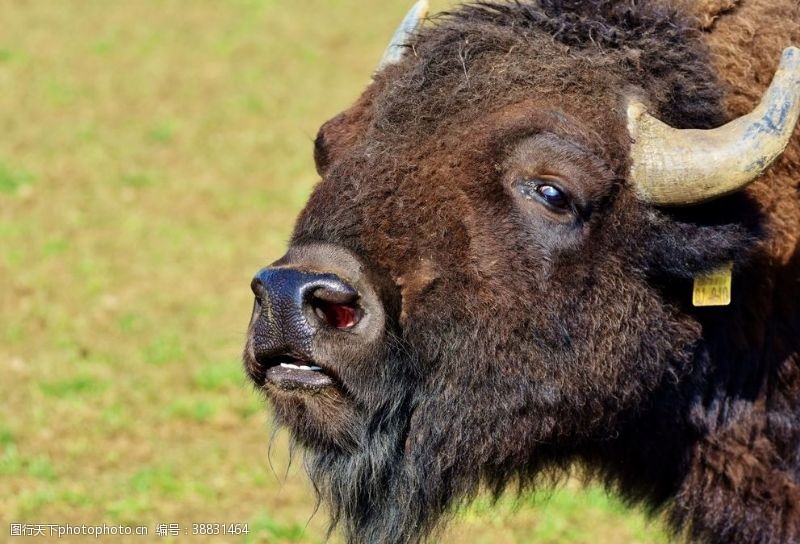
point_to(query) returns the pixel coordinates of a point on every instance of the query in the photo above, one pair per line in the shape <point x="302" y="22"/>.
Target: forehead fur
<point x="583" y="56"/>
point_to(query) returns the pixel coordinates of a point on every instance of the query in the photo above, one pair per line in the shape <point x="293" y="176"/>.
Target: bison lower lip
<point x="288" y="376"/>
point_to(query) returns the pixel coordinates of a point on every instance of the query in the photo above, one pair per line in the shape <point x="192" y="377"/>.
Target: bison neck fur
<point x="565" y="347"/>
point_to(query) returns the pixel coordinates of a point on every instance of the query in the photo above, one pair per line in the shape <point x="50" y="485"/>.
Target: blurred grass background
<point x="153" y="156"/>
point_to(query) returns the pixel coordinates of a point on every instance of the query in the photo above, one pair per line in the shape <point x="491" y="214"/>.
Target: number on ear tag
<point x="713" y="288"/>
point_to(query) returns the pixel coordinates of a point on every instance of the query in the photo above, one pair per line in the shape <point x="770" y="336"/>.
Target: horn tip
<point x="418" y="12"/>
<point x="788" y="72"/>
<point x="422" y="8"/>
<point x="411" y="22"/>
<point x="791" y="56"/>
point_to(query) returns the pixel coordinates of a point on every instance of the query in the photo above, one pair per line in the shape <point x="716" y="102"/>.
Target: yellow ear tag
<point x="713" y="288"/>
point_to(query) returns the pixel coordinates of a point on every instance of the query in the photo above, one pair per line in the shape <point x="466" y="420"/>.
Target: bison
<point x="494" y="282"/>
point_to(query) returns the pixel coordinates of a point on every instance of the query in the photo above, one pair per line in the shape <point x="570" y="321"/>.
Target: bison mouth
<point x="289" y="373"/>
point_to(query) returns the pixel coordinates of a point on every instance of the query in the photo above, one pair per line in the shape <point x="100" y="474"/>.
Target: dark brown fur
<point x="521" y="342"/>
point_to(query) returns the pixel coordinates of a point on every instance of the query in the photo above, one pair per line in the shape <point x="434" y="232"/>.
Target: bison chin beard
<point x="416" y="458"/>
<point x="374" y="491"/>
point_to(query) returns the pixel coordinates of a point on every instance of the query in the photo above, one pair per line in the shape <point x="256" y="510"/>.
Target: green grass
<point x="199" y="410"/>
<point x="164" y="349"/>
<point x="13" y="463"/>
<point x="263" y="527"/>
<point x="78" y="386"/>
<point x="154" y="156"/>
<point x="12" y="180"/>
<point x="219" y="376"/>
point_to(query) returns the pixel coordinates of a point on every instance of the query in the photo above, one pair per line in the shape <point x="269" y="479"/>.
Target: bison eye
<point x="547" y="193"/>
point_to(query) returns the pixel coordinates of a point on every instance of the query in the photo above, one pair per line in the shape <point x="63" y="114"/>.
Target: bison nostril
<point x="338" y="316"/>
<point x="258" y="289"/>
<point x="299" y="301"/>
<point x="335" y="305"/>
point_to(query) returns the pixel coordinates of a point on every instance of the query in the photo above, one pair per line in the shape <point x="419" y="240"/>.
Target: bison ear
<point x="683" y="243"/>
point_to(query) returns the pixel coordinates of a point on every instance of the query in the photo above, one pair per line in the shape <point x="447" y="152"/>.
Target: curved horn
<point x="394" y="53"/>
<point x="674" y="167"/>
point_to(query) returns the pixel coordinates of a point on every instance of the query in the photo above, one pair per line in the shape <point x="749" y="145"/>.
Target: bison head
<point x="486" y="286"/>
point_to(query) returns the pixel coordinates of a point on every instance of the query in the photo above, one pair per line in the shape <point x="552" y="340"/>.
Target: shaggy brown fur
<point x="520" y="341"/>
<point x="746" y="466"/>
